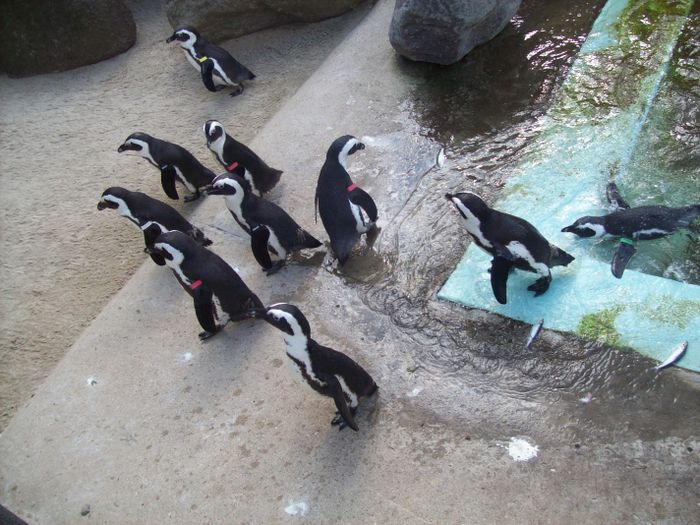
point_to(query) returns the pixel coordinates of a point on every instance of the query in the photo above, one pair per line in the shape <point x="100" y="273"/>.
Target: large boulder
<point x="41" y="36"/>
<point x="443" y="31"/>
<point x="219" y="20"/>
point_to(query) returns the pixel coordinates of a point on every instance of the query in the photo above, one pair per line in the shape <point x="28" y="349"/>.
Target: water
<point x="485" y="111"/>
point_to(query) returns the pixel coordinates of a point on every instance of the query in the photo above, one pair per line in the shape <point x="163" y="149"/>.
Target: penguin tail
<point x="198" y="235"/>
<point x="559" y="257"/>
<point x="307" y="240"/>
<point x="251" y="75"/>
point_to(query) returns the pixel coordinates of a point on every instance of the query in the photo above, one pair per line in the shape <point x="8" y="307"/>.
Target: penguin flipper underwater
<point x="500" y="269"/>
<point x="614" y="198"/>
<point x="362" y="199"/>
<point x="344" y="417"/>
<point x="207" y="71"/>
<point x="623" y="254"/>
<point x="205" y="311"/>
<point x="167" y="180"/>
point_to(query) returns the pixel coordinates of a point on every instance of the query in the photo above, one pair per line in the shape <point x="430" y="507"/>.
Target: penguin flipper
<point x="259" y="236"/>
<point x="206" y="68"/>
<point x="150" y="234"/>
<point x="622" y="256"/>
<point x="614" y="198"/>
<point x="205" y="310"/>
<point x="341" y="404"/>
<point x="167" y="180"/>
<point x="362" y="199"/>
<point x="500" y="269"/>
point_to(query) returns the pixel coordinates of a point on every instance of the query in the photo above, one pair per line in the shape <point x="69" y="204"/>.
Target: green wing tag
<point x="627" y="241"/>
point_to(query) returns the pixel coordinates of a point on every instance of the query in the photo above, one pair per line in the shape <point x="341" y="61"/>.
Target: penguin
<point x="239" y="158"/>
<point x="631" y="225"/>
<point x="511" y="241"/>
<point x="174" y="162"/>
<point x="145" y="211"/>
<point x="216" y="65"/>
<point x="327" y="371"/>
<point x="209" y="278"/>
<point x="271" y="229"/>
<point x="341" y="203"/>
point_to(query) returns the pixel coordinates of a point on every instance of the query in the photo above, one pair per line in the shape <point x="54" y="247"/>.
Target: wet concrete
<point x="169" y="430"/>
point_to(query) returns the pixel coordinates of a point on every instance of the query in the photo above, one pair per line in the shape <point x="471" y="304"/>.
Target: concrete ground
<point x="141" y="423"/>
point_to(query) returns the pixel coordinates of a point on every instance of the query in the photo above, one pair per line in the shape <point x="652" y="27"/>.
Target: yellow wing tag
<point x="203" y="59"/>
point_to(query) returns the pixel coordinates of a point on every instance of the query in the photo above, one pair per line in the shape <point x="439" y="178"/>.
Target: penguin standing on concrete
<point x="209" y="278"/>
<point x="216" y="65"/>
<point x="144" y="211"/>
<point x="632" y="225"/>
<point x="271" y="229"/>
<point x="174" y="162"/>
<point x="511" y="241"/>
<point x="327" y="371"/>
<point x="240" y="159"/>
<point x="341" y="203"/>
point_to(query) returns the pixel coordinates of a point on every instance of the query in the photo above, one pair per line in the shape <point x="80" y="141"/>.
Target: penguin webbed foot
<point x="541" y="285"/>
<point x="276" y="266"/>
<point x="340" y="422"/>
<point x="205" y="334"/>
<point x="237" y="90"/>
<point x="193" y="197"/>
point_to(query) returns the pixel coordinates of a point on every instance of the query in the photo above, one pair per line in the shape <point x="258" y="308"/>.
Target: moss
<point x="671" y="311"/>
<point x="600" y="326"/>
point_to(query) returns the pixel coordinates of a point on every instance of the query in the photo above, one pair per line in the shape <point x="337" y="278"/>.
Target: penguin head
<point x="214" y="131"/>
<point x="285" y="317"/>
<point x="186" y="36"/>
<point x="470" y="206"/>
<point x="228" y="184"/>
<point x="136" y="142"/>
<point x="587" y="227"/>
<point x="116" y="198"/>
<point x="173" y="246"/>
<point x="342" y="147"/>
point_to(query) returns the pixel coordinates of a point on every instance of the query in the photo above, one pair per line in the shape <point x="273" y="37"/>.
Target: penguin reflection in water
<point x="271" y="229"/>
<point x="511" y="241"/>
<point x="327" y="371"/>
<point x="207" y="278"/>
<point x="346" y="210"/>
<point x="175" y="163"/>
<point x="216" y="65"/>
<point x="632" y="225"/>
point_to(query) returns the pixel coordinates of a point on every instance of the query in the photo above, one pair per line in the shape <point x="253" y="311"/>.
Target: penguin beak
<point x="258" y="313"/>
<point x="449" y="196"/>
<point x="101" y="205"/>
<point x="171" y="38"/>
<point x="569" y="229"/>
<point x="121" y="148"/>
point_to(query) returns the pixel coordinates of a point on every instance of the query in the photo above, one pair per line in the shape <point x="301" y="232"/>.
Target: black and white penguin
<point x="327" y="371"/>
<point x="209" y="279"/>
<point x="144" y="211"/>
<point x="240" y="159"/>
<point x="341" y="203"/>
<point x="174" y="162"/>
<point x="632" y="225"/>
<point x="271" y="229"/>
<point x="216" y="65"/>
<point x="513" y="242"/>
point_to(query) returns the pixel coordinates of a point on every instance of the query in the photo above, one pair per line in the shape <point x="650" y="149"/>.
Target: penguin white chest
<point x="191" y="59"/>
<point x="233" y="203"/>
<point x="297" y="350"/>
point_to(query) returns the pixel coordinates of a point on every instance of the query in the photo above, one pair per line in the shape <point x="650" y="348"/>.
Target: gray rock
<point x="219" y="20"/>
<point x="42" y="36"/>
<point x="443" y="31"/>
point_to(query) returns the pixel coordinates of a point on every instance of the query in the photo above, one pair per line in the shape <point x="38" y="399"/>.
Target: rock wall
<point x="42" y="36"/>
<point x="219" y="20"/>
<point x="443" y="31"/>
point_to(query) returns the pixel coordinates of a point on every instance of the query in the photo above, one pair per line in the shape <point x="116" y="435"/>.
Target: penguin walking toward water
<point x="144" y="211"/>
<point x="327" y="371"/>
<point x="271" y="229"/>
<point x="341" y="203"/>
<point x="632" y="225"/>
<point x="209" y="278"/>
<point x="511" y="241"/>
<point x="240" y="159"/>
<point x="174" y="162"/>
<point x="216" y="65"/>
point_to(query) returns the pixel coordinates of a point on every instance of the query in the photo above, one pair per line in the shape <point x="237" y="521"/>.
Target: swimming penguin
<point x="513" y="242"/>
<point x="239" y="158"/>
<point x="341" y="203"/>
<point x="270" y="228"/>
<point x="144" y="211"/>
<point x="209" y="278"/>
<point x="632" y="225"/>
<point x="327" y="371"/>
<point x="216" y="65"/>
<point x="173" y="161"/>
